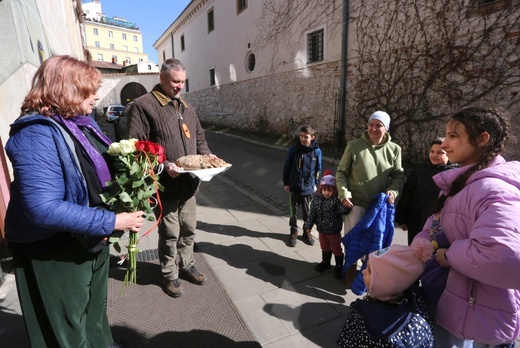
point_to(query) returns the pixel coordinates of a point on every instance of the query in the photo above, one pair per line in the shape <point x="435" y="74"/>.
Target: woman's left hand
<point x="390" y="198"/>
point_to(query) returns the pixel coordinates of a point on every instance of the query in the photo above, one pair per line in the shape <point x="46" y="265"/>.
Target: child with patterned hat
<point x="327" y="214"/>
<point x="394" y="313"/>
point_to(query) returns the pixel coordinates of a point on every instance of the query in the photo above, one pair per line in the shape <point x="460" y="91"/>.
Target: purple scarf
<point x="74" y="125"/>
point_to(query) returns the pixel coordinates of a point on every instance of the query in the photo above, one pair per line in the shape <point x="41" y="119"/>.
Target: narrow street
<point x="256" y="168"/>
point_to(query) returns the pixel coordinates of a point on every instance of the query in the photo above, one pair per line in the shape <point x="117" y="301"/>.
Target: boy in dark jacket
<point x="420" y="191"/>
<point x="301" y="172"/>
<point x="394" y="313"/>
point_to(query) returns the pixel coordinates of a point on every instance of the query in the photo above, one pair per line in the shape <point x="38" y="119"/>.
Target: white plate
<point x="206" y="174"/>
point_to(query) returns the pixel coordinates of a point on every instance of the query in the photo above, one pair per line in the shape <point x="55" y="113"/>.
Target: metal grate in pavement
<point x="145" y="316"/>
<point x="148" y="255"/>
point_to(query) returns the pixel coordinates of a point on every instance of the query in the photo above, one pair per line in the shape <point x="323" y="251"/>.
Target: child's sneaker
<point x="307" y="238"/>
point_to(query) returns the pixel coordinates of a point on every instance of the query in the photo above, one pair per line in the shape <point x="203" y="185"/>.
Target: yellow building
<point x="112" y="39"/>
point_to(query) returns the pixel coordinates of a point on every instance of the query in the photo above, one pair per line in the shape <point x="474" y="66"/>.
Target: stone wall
<point x="276" y="104"/>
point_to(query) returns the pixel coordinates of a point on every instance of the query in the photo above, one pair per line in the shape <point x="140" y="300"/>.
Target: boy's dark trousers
<point x="296" y="200"/>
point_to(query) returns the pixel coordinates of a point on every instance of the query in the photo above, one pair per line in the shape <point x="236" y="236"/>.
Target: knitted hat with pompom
<point x="328" y="179"/>
<point x="396" y="268"/>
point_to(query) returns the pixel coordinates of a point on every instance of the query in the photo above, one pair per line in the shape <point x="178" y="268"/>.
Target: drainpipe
<point x="173" y="50"/>
<point x="340" y="133"/>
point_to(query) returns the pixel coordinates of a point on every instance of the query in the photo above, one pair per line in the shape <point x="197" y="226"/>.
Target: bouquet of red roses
<point x="135" y="187"/>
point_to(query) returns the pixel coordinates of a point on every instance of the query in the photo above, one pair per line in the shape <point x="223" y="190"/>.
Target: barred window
<point x="315" y="46"/>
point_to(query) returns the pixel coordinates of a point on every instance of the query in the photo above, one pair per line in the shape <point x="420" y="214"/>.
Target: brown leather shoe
<point x="193" y="275"/>
<point x="173" y="287"/>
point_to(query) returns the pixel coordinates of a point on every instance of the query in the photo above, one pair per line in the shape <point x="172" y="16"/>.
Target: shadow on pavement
<point x="194" y="338"/>
<point x="237" y="231"/>
<point x="282" y="272"/>
<point x="300" y="316"/>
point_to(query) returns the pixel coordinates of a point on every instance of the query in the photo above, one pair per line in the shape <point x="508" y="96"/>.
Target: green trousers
<point x="63" y="296"/>
<point x="177" y="236"/>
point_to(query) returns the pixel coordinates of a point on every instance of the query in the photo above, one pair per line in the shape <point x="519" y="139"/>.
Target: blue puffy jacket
<point x="49" y="193"/>
<point x="373" y="232"/>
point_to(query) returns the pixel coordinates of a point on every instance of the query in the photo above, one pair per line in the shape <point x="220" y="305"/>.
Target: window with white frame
<point x="128" y="60"/>
<point x="97" y="44"/>
<point x="123" y="36"/>
<point x="136" y="49"/>
<point x="125" y="48"/>
<point x="135" y="38"/>
<point x="315" y="46"/>
<point x="99" y="56"/>
<point x="96" y="31"/>
<point x="110" y="33"/>
<point x="112" y="46"/>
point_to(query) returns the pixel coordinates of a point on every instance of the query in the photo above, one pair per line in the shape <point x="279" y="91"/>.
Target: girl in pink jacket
<point x="479" y="206"/>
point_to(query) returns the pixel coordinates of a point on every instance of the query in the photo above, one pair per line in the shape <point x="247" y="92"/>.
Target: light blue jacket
<point x="49" y="193"/>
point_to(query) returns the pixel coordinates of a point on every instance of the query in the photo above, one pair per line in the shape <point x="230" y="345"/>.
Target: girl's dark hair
<point x="437" y="141"/>
<point x="477" y="120"/>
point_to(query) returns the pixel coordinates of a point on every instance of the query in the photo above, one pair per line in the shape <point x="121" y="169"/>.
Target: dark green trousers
<point x="63" y="294"/>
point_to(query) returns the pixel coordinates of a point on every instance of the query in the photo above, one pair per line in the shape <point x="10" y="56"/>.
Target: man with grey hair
<point x="163" y="117"/>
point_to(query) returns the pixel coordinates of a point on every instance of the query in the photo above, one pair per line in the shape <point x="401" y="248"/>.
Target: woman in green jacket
<point x="370" y="164"/>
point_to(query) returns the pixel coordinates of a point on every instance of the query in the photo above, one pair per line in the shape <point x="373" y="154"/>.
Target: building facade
<point x="273" y="65"/>
<point x="114" y="39"/>
<point x="240" y="74"/>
